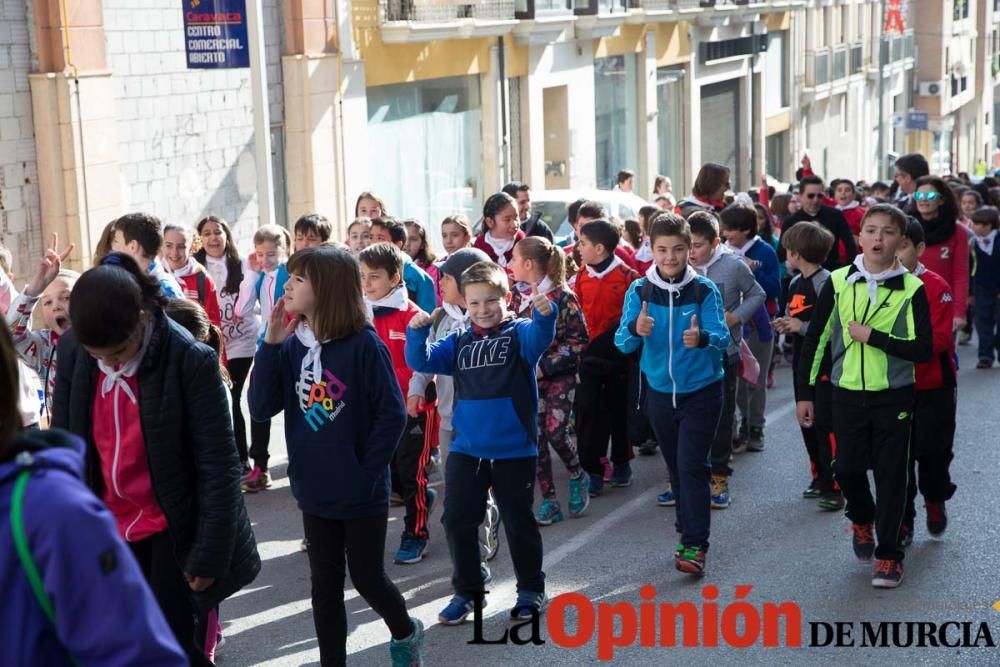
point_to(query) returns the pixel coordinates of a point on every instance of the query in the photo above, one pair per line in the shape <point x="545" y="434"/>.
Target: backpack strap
<point x="199" y="277"/>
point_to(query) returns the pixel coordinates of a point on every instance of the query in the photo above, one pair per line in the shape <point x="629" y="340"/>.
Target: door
<point x="720" y="132"/>
<point x="555" y="102"/>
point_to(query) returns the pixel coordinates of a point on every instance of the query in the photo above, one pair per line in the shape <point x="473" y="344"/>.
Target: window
<point x="670" y="101"/>
<point x="845" y="24"/>
<point x="616" y="112"/>
<point x="776" y="73"/>
<point x="961" y="10"/>
<point x="774" y="155"/>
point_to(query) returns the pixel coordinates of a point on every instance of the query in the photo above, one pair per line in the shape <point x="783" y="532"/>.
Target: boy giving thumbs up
<point x="674" y="317"/>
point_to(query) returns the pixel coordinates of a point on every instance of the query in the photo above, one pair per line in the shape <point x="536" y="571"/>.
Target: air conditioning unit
<point x="931" y="88"/>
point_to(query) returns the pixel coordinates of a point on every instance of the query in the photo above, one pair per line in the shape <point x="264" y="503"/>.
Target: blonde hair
<point x="485" y="273"/>
<point x="544" y="253"/>
<point x="459" y="220"/>
<point x="279" y="236"/>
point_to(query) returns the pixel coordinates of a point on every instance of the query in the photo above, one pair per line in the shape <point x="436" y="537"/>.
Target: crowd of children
<point x="386" y="360"/>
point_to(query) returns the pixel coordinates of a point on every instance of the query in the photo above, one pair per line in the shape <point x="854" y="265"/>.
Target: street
<point x="771" y="539"/>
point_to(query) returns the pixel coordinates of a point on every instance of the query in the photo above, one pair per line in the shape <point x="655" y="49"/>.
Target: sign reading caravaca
<point x="215" y="34"/>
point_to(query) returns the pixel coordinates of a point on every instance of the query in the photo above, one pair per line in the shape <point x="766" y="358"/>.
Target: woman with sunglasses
<point x="947" y="251"/>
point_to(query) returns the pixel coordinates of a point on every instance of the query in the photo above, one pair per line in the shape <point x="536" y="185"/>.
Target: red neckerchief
<point x="479" y="331"/>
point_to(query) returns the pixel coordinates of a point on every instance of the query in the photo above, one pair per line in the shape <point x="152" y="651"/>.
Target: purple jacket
<point x="105" y="612"/>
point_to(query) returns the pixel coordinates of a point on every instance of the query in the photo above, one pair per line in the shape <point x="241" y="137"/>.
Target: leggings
<point x="260" y="432"/>
<point x="555" y="404"/>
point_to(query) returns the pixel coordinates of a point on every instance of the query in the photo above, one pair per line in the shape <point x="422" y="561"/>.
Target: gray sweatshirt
<point x="740" y="292"/>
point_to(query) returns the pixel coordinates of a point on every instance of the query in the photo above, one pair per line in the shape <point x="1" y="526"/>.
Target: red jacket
<point x="939" y="370"/>
<point x="853" y="217"/>
<point x="621" y="252"/>
<point x="950" y="260"/>
<point x="602" y="298"/>
<point x="390" y="324"/>
<point x="189" y="284"/>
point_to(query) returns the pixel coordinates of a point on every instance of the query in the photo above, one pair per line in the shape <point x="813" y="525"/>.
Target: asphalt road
<point x="770" y="539"/>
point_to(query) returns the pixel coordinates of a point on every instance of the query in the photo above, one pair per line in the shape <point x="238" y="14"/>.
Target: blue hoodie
<point x="669" y="366"/>
<point x="496" y="395"/>
<point x="341" y="428"/>
<point x="419" y="285"/>
<point x="105" y="613"/>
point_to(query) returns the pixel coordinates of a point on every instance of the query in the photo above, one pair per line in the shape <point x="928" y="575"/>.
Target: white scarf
<point x="654" y="277"/>
<point x="645" y="252"/>
<point x="874" y="279"/>
<point x="500" y="246"/>
<point x="920" y="270"/>
<point x="460" y="316"/>
<point x="742" y="252"/>
<point x="314" y="351"/>
<point x="543" y="287"/>
<point x="190" y="268"/>
<point x="985" y="243"/>
<point x="396" y="299"/>
<point x="113" y="376"/>
<point x="717" y="254"/>
<point x="848" y="206"/>
<point x="594" y="273"/>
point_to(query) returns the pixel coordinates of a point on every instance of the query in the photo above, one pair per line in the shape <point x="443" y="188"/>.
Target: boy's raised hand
<point x="644" y="323"/>
<point x="277" y="330"/>
<point x="48" y="267"/>
<point x="692" y="337"/>
<point x="421" y="320"/>
<point x="540" y="302"/>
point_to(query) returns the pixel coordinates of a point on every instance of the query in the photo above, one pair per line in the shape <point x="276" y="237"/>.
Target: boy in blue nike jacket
<point x="496" y="432"/>
<point x="676" y="317"/>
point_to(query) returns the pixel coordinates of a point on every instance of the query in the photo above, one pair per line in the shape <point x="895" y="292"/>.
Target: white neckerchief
<point x="920" y="270"/>
<point x="645" y="252"/>
<point x="654" y="277"/>
<point x="742" y="252"/>
<point x="456" y="313"/>
<point x="396" y="299"/>
<point x="594" y="273"/>
<point x="500" y="246"/>
<point x="544" y="287"/>
<point x="717" y="254"/>
<point x="874" y="279"/>
<point x="314" y="351"/>
<point x="113" y="376"/>
<point x="190" y="268"/>
<point x="985" y="243"/>
<point x="848" y="206"/>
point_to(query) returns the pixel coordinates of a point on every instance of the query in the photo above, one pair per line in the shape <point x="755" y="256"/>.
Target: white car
<point x="553" y="206"/>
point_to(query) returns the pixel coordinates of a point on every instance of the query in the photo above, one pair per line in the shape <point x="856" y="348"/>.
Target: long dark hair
<point x="768" y="232"/>
<point x="110" y="300"/>
<point x="190" y="315"/>
<point x="234" y="266"/>
<point x="10" y="414"/>
<point x="949" y="210"/>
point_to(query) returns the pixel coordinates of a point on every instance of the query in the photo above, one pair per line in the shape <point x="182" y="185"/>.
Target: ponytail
<point x="192" y="316"/>
<point x="544" y="253"/>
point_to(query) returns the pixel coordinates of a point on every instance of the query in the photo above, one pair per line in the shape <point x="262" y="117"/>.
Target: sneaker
<point x="579" y="498"/>
<point x="985" y="363"/>
<point x="412" y="549"/>
<point x="596" y="486"/>
<point x="812" y="491"/>
<point x="491" y="529"/>
<point x="887" y="573"/>
<point x="622" y="476"/>
<point x="964" y="338"/>
<point x="720" y="492"/>
<point x="528" y="604"/>
<point x="905" y="535"/>
<point x="395" y="499"/>
<point x="863" y="541"/>
<point x="741" y="439"/>
<point x="937" y="519"/>
<point x="756" y="443"/>
<point x="549" y="513"/>
<point x="484" y="570"/>
<point x="256" y="481"/>
<point x="831" y="501"/>
<point x="691" y="560"/>
<point x="608" y="471"/>
<point x="647" y="448"/>
<point x="667" y="498"/>
<point x="458" y="610"/>
<point x="407" y="652"/>
<point x="304" y="546"/>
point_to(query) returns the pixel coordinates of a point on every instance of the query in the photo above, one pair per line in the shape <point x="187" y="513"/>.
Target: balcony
<point x="426" y="20"/>
<point x="817" y="68"/>
<point x="898" y="47"/>
<point x="857" y="58"/>
<point x="839" y="62"/>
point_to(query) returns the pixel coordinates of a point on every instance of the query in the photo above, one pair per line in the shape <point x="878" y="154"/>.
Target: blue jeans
<point x="987" y="318"/>
<point x="685" y="435"/>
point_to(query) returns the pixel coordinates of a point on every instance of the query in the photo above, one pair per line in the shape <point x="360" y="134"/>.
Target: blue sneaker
<point x="720" y="492"/>
<point x="457" y="610"/>
<point x="549" y="513"/>
<point x="667" y="498"/>
<point x="412" y="549"/>
<point x="527" y="604"/>
<point x="579" y="498"/>
<point x="408" y="652"/>
<point x="622" y="475"/>
<point x="596" y="485"/>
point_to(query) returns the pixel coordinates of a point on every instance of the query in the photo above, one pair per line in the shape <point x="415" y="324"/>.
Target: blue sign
<point x="917" y="120"/>
<point x="215" y="34"/>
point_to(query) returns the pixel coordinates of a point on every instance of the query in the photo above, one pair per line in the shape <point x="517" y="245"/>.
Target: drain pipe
<point x="85" y="248"/>
<point x="505" y="175"/>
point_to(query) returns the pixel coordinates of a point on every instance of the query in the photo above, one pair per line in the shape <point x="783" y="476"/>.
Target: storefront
<point x="616" y="112"/>
<point x="670" y="103"/>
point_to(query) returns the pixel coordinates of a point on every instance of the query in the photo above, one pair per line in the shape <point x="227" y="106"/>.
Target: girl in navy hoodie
<point x="332" y="376"/>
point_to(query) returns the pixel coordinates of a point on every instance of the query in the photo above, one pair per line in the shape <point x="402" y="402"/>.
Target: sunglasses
<point x="925" y="196"/>
<point x="813" y="195"/>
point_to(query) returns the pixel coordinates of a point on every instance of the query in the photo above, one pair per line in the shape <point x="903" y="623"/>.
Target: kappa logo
<point x="484" y="353"/>
<point x="946" y="297"/>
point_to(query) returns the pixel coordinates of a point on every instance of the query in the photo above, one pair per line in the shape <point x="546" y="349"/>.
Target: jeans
<point x="987" y="319"/>
<point x="685" y="435"/>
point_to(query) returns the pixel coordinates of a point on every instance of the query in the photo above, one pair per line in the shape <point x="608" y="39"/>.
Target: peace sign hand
<point x="48" y="267"/>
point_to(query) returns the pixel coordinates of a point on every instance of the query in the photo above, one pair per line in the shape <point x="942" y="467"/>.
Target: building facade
<point x="435" y="104"/>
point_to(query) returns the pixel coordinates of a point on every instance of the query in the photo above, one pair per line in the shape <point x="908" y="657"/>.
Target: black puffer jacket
<point x="190" y="448"/>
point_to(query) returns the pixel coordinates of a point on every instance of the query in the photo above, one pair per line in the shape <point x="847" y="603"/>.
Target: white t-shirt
<point x="240" y="334"/>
